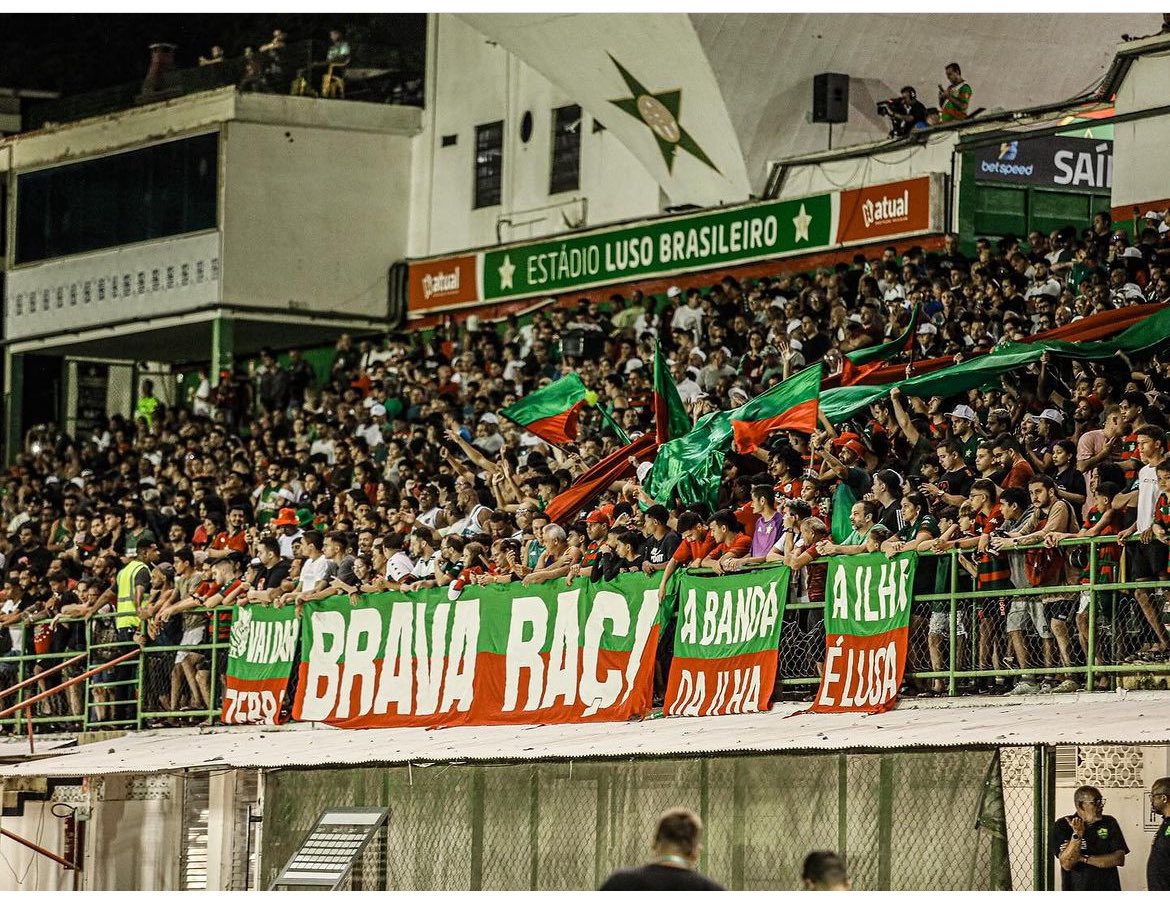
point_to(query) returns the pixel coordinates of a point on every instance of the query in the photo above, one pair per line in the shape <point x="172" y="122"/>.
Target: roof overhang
<point x="1083" y="719"/>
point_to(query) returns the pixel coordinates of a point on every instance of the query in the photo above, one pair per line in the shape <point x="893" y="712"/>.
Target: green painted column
<point x="13" y="393"/>
<point x="223" y="339"/>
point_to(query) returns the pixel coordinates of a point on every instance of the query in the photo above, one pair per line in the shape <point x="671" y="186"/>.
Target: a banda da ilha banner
<point x="726" y="641"/>
<point x="261" y="653"/>
<point x="867" y="625"/>
<point x="497" y="655"/>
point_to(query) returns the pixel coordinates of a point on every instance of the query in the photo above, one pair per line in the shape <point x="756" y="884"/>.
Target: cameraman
<point x="906" y="113"/>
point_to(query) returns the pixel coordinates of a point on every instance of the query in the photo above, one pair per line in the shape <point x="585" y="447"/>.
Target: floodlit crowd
<point x="390" y="467"/>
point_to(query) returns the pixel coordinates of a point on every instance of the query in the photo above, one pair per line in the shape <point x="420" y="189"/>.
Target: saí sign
<point x="1074" y="164"/>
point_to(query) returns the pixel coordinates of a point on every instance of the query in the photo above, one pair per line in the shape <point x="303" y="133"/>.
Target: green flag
<point x="671" y="419"/>
<point x="551" y="412"/>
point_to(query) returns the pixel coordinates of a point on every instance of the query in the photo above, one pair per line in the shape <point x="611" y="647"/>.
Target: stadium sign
<point x="726" y="642"/>
<point x="1072" y="164"/>
<point x="496" y="654"/>
<point x="659" y="248"/>
<point x="676" y="245"/>
<point x="867" y="623"/>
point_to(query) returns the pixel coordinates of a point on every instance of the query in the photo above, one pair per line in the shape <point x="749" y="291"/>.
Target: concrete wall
<point x="476" y="82"/>
<point x="313" y="217"/>
<point x="1141" y="148"/>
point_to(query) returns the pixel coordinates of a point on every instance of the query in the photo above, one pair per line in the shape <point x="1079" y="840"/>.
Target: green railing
<point x="130" y="695"/>
<point x="155" y="687"/>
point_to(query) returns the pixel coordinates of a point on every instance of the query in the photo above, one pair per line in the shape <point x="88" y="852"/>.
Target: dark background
<point x="74" y="53"/>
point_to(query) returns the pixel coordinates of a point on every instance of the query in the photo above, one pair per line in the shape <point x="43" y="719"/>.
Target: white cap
<point x="737" y="390"/>
<point x="1132" y="252"/>
<point x="702" y="355"/>
<point x="644" y="470"/>
<point x="673" y="292"/>
<point x="793" y="325"/>
<point x="633" y="364"/>
<point x="377" y="410"/>
<point x="928" y="329"/>
<point x="796" y="344"/>
<point x="1153" y="214"/>
<point x="1052" y="414"/>
<point x="489" y="417"/>
<point x="855" y="318"/>
<point x="964" y="412"/>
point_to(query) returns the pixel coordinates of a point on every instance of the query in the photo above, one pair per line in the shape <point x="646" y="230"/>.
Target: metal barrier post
<point x="1091" y="645"/>
<point x="954" y="627"/>
<point x="1039" y="826"/>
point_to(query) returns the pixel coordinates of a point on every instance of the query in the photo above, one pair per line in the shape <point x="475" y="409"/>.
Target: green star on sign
<point x="660" y="113"/>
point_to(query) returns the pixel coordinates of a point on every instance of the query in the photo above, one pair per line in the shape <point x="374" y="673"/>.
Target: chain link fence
<point x="906" y="820"/>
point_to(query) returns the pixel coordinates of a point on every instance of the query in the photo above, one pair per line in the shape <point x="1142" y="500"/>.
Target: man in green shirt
<point x="954" y="99"/>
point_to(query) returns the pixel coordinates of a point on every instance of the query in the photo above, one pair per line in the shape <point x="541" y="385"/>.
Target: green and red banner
<point x="790" y="405"/>
<point x="497" y="655"/>
<point x="262" y="649"/>
<point x="726" y="642"/>
<point x="867" y="625"/>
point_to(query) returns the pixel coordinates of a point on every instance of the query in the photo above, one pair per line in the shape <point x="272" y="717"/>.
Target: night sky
<point x="74" y="53"/>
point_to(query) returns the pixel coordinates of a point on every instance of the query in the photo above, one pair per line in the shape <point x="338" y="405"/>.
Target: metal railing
<point x="113" y="682"/>
<point x="375" y="73"/>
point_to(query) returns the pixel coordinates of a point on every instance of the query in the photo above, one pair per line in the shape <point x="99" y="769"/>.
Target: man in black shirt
<point x="676" y="850"/>
<point x="906" y="113"/>
<point x="1089" y="845"/>
<point x="660" y="542"/>
<point x="1158" y="865"/>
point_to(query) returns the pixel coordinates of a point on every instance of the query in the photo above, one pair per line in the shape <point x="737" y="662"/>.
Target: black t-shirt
<point x="1158" y="865"/>
<point x="1071" y="480"/>
<point x="659" y="877"/>
<point x="956" y="482"/>
<point x="267" y="578"/>
<point x="1101" y="837"/>
<point x="658" y="551"/>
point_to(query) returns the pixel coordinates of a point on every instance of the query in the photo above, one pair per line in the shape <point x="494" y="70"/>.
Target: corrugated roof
<point x="1132" y="718"/>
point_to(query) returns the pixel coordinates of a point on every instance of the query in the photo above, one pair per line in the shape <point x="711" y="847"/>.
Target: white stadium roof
<point x="1133" y="718"/>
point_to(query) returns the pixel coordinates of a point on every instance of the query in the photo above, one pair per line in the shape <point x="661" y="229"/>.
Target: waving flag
<point x="551" y="412"/>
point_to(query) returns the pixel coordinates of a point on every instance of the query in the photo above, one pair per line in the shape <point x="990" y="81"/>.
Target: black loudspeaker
<point x="830" y="97"/>
<point x="586" y="343"/>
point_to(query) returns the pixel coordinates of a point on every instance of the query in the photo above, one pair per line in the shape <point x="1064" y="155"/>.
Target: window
<point x="156" y="192"/>
<point x="489" y="164"/>
<point x="565" y="173"/>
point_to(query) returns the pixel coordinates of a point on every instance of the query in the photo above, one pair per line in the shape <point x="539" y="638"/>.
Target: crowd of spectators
<point x="396" y="470"/>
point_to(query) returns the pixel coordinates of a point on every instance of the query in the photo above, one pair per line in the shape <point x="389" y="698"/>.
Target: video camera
<point x="884" y="107"/>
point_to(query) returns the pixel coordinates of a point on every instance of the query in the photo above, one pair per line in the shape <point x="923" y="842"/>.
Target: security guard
<point x="133" y="585"/>
<point x="1089" y="845"/>
<point x="1158" y="865"/>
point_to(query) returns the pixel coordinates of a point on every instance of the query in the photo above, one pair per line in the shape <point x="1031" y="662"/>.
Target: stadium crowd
<point x="396" y="471"/>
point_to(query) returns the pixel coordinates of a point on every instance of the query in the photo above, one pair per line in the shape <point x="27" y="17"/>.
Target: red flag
<point x="591" y="484"/>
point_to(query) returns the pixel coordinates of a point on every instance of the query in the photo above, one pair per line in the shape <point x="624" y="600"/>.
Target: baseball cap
<point x="377" y="410"/>
<point x="489" y="417"/>
<point x="963" y="411"/>
<point x="1052" y="414"/>
<point x="855" y="318"/>
<point x="1132" y="252"/>
<point x="599" y="515"/>
<point x="702" y="355"/>
<point x="736" y="390"/>
<point x="673" y="292"/>
<point x="928" y="329"/>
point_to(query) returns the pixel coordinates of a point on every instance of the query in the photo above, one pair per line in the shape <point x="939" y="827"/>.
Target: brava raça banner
<point x="867" y="625"/>
<point x="496" y="655"/>
<point x="262" y="649"/>
<point x="726" y="641"/>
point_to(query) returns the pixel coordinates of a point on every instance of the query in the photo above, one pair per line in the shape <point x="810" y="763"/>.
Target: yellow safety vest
<point x="127" y="609"/>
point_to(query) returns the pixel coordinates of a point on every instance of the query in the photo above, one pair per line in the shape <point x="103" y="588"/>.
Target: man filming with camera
<point x="906" y="113"/>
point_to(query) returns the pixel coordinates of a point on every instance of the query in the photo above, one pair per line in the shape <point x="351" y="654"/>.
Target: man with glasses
<point x="1158" y="865"/>
<point x="1089" y="845"/>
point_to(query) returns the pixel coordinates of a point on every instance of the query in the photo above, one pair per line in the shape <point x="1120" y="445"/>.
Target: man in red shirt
<point x="697" y="543"/>
<point x="233" y="539"/>
<point x="731" y="541"/>
<point x="1019" y="471"/>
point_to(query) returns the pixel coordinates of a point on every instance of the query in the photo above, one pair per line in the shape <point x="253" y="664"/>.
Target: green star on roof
<point x="660" y="113"/>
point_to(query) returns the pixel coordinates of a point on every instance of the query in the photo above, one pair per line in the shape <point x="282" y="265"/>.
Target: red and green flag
<point x="671" y="420"/>
<point x="790" y="405"/>
<point x="859" y="363"/>
<point x="725" y="642"/>
<point x="552" y="411"/>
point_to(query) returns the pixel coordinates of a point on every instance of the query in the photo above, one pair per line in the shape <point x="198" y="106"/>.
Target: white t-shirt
<point x="313" y="572"/>
<point x="688" y="318"/>
<point x="1147" y="497"/>
<point x="287" y="543"/>
<point x="399" y="566"/>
